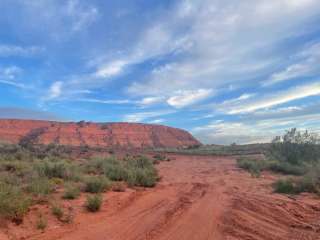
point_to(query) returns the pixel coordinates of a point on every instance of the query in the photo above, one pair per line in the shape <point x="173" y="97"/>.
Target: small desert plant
<point x="286" y="168"/>
<point x="57" y="211"/>
<point x="42" y="223"/>
<point x="40" y="187"/>
<point x="94" y="202"/>
<point x="115" y="169"/>
<point x="71" y="192"/>
<point x="310" y="182"/>
<point x="251" y="165"/>
<point x="97" y="184"/>
<point x="286" y="186"/>
<point x="142" y="178"/>
<point x="13" y="203"/>
<point x="52" y="168"/>
<point x="160" y="157"/>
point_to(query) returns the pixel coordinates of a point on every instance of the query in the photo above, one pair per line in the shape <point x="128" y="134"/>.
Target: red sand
<point x="198" y="198"/>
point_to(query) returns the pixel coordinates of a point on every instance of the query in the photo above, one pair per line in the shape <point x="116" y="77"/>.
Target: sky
<point x="227" y="71"/>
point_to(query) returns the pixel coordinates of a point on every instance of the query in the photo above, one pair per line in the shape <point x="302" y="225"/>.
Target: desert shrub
<point x="296" y="148"/>
<point x="287" y="168"/>
<point x="296" y="153"/>
<point x="10" y="178"/>
<point x="94" y="165"/>
<point x="42" y="222"/>
<point x="160" y="157"/>
<point x="71" y="191"/>
<point x="115" y="169"/>
<point x="94" y="202"/>
<point x="141" y="172"/>
<point x="57" y="211"/>
<point x="13" y="202"/>
<point x="40" y="186"/>
<point x="136" y="171"/>
<point x="310" y="182"/>
<point x="142" y="177"/>
<point x="57" y="181"/>
<point x="13" y="166"/>
<point x="286" y="186"/>
<point x="111" y="167"/>
<point x="253" y="166"/>
<point x="97" y="184"/>
<point x="139" y="162"/>
<point x="52" y="168"/>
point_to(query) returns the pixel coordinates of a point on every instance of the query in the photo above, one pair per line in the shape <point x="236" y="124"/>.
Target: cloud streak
<point x="275" y="99"/>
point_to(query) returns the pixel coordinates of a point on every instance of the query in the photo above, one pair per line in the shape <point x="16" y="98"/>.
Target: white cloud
<point x="228" y="43"/>
<point x="155" y="42"/>
<point x="157" y="121"/>
<point x="14" y="50"/>
<point x="307" y="65"/>
<point x="111" y="69"/>
<point x="188" y="97"/>
<point x="121" y="101"/>
<point x="278" y="98"/>
<point x="12" y="83"/>
<point x="230" y="132"/>
<point x="9" y="74"/>
<point x="142" y="116"/>
<point x="254" y="131"/>
<point x="242" y="97"/>
<point x="147" y="101"/>
<point x="57" y="19"/>
<point x="82" y="15"/>
<point x="55" y="90"/>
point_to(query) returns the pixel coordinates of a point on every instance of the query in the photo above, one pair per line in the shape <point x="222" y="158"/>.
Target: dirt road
<point x="198" y="198"/>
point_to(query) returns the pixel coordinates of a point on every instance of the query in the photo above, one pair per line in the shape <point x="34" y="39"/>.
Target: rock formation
<point x="122" y="135"/>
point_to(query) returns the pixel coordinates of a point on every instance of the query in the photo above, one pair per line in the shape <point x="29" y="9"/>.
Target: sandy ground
<point x="197" y="198"/>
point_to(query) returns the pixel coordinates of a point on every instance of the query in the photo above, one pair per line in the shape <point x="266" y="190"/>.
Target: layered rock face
<point x="124" y="135"/>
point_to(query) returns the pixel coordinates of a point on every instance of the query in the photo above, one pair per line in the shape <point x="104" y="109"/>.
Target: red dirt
<point x="124" y="135"/>
<point x="198" y="198"/>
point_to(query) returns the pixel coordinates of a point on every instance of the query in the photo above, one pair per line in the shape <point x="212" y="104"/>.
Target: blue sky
<point x="228" y="71"/>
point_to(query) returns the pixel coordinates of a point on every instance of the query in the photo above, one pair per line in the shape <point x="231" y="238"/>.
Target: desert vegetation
<point x="217" y="150"/>
<point x="42" y="174"/>
<point x="296" y="154"/>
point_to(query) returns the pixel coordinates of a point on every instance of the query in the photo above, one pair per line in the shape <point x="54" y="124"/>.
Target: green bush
<point x="71" y="192"/>
<point x="52" y="168"/>
<point x="296" y="148"/>
<point x="252" y="165"/>
<point x="141" y="171"/>
<point x="94" y="202"/>
<point x="142" y="177"/>
<point x="40" y="186"/>
<point x="286" y="186"/>
<point x="160" y="157"/>
<point x="115" y="169"/>
<point x="57" y="211"/>
<point x="310" y="182"/>
<point x="287" y="168"/>
<point x="13" y="202"/>
<point x="136" y="171"/>
<point x="42" y="223"/>
<point x="97" y="184"/>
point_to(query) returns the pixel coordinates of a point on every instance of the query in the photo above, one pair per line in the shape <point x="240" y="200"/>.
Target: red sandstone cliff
<point x="125" y="135"/>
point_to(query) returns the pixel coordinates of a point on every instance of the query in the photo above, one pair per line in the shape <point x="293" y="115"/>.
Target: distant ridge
<point x="122" y="135"/>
